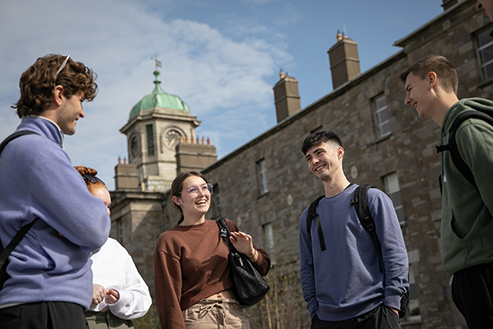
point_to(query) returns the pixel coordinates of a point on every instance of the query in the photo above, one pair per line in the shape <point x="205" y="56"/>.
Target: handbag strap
<point x="224" y="231"/>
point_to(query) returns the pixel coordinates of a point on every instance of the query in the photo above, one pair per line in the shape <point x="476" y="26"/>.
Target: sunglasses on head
<point x="93" y="179"/>
<point x="61" y="68"/>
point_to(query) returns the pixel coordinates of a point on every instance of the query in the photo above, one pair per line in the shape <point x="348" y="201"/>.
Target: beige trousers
<point x="223" y="313"/>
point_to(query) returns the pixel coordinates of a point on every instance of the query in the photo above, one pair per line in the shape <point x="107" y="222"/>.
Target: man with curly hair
<point x="50" y="278"/>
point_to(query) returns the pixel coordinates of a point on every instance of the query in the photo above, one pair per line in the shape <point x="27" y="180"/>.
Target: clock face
<point x="135" y="146"/>
<point x="172" y="138"/>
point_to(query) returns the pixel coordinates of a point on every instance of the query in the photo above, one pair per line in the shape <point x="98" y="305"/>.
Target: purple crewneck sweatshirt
<point x="344" y="281"/>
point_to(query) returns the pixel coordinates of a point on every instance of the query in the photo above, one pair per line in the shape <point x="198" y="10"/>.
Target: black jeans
<point x="381" y="317"/>
<point x="43" y="315"/>
<point x="472" y="292"/>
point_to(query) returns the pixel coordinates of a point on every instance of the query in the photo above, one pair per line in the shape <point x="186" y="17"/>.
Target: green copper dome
<point x="159" y="98"/>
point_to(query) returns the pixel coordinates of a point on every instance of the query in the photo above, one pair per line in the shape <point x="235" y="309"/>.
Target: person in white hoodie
<point x="120" y="294"/>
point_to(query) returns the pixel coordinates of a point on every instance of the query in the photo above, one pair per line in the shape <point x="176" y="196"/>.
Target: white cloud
<point x="260" y="2"/>
<point x="223" y="80"/>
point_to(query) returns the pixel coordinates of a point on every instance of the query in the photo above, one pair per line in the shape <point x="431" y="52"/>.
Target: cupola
<point x="158" y="98"/>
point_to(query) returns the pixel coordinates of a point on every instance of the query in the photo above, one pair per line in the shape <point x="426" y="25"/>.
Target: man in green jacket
<point x="467" y="221"/>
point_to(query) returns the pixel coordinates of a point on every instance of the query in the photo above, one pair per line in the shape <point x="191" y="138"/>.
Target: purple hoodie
<point x="37" y="179"/>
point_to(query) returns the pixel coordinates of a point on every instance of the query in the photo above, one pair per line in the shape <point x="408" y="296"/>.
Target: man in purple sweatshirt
<point x="50" y="282"/>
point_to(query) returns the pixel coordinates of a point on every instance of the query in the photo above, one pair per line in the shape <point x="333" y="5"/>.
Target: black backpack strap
<point x="360" y="203"/>
<point x="14" y="136"/>
<point x="452" y="143"/>
<point x="15" y="241"/>
<point x="312" y="215"/>
<point x="5" y="253"/>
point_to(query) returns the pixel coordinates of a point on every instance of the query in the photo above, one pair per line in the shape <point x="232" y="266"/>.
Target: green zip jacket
<point x="467" y="221"/>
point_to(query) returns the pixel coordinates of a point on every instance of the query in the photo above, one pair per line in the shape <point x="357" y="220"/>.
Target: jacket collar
<point x="43" y="126"/>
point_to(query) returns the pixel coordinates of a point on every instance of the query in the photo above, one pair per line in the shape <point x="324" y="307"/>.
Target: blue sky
<point x="221" y="57"/>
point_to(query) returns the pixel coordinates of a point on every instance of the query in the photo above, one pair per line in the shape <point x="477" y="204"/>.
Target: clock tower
<point x="154" y="128"/>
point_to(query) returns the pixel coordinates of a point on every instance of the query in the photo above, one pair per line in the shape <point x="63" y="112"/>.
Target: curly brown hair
<point x="38" y="81"/>
<point x="90" y="178"/>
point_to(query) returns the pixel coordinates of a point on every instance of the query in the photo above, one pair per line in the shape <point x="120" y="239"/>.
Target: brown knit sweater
<point x="190" y="264"/>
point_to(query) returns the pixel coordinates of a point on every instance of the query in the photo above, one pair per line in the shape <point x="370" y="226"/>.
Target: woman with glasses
<point x="191" y="272"/>
<point x="119" y="292"/>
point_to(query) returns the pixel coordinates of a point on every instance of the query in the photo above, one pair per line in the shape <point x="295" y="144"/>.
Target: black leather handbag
<point x="249" y="286"/>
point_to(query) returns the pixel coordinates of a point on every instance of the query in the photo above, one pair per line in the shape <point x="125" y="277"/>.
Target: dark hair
<point x="444" y="70"/>
<point x="318" y="138"/>
<point x="177" y="187"/>
<point x="89" y="175"/>
<point x="37" y="83"/>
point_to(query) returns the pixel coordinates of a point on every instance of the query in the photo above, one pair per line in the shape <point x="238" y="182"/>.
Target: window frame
<point x="394" y="195"/>
<point x="480" y="49"/>
<point x="379" y="125"/>
<point x="151" y="145"/>
<point x="262" y="177"/>
<point x="269" y="240"/>
<point x="413" y="257"/>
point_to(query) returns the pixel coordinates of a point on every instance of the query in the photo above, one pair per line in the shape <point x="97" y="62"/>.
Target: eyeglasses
<point x="60" y="69"/>
<point x="93" y="179"/>
<point x="205" y="189"/>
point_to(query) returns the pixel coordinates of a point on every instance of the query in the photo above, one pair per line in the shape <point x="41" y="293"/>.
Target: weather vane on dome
<point x="158" y="62"/>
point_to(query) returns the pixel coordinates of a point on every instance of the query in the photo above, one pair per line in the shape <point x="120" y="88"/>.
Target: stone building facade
<point x="265" y="185"/>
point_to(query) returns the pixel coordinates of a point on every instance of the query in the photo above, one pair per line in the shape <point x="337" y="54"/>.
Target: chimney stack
<point x="126" y="176"/>
<point x="344" y="60"/>
<point x="194" y="156"/>
<point x="286" y="97"/>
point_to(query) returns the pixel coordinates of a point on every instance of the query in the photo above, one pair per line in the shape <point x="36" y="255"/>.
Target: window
<point x="413" y="313"/>
<point x="119" y="227"/>
<point x="262" y="176"/>
<point x="150" y="139"/>
<point x="484" y="44"/>
<point x="269" y="240"/>
<point x="391" y="183"/>
<point x="381" y="116"/>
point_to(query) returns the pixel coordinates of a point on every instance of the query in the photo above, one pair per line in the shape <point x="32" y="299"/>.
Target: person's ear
<point x="340" y="152"/>
<point x="176" y="200"/>
<point x="432" y="80"/>
<point x="58" y="95"/>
